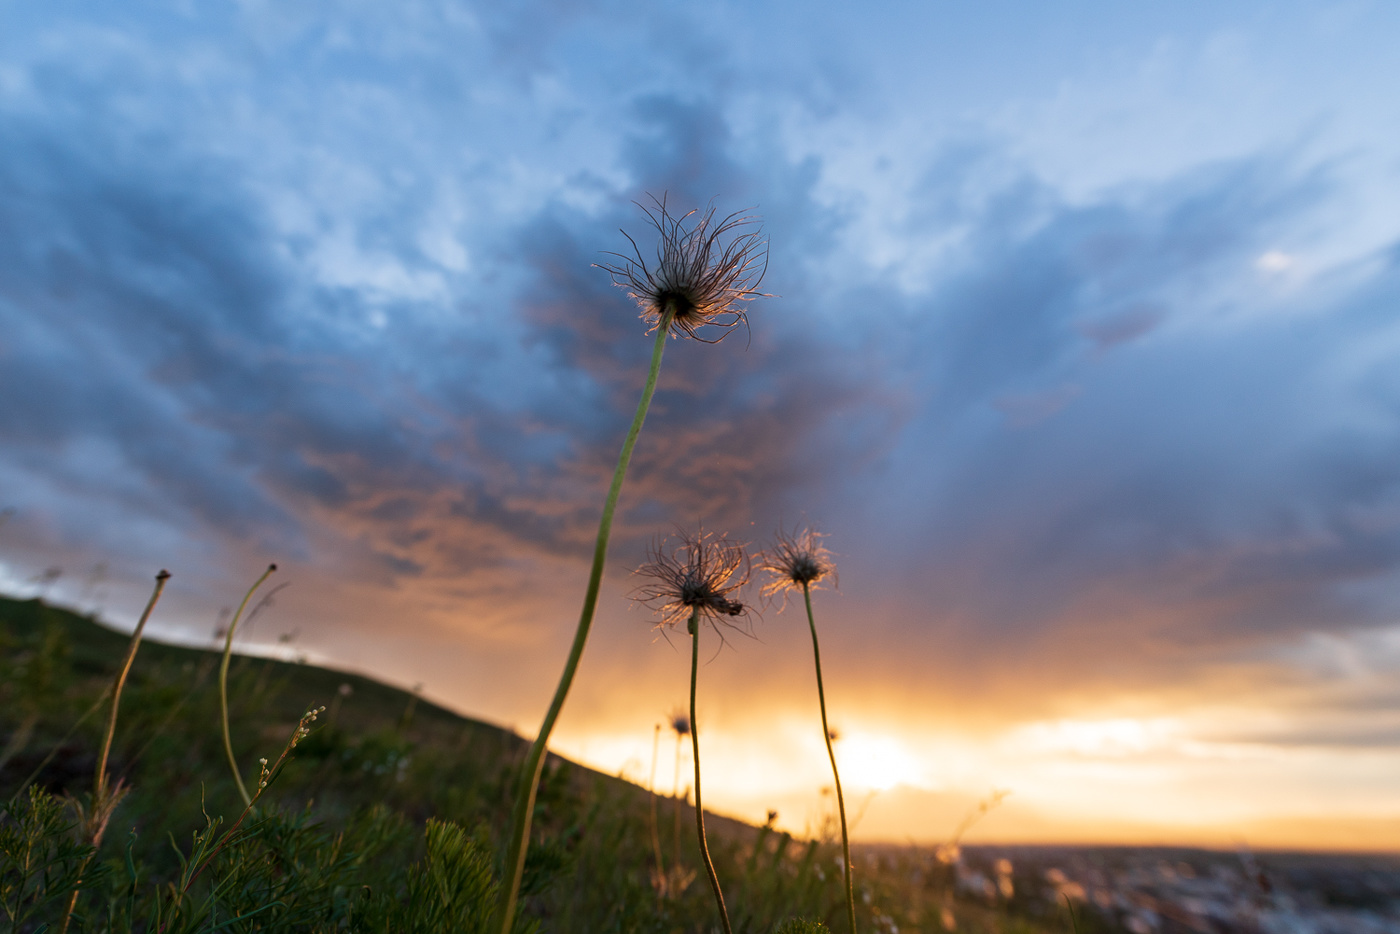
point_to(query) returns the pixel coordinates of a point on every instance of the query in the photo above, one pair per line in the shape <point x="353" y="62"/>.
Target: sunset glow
<point x="1077" y="338"/>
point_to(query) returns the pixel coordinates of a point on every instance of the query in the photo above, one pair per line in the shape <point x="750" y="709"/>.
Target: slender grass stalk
<point x="680" y="724"/>
<point x="223" y="684"/>
<point x="44" y="763"/>
<point x="798" y="560"/>
<point x="201" y="674"/>
<point x="848" y="868"/>
<point x="104" y="800"/>
<point x="100" y="782"/>
<point x="651" y="787"/>
<point x="696" y="578"/>
<point x="694" y="626"/>
<point x="705" y="270"/>
<point x="207" y="848"/>
<point x="19" y="739"/>
<point x="523" y="813"/>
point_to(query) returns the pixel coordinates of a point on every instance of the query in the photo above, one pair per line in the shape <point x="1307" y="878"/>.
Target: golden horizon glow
<point x="1283" y="757"/>
<point x="1114" y="780"/>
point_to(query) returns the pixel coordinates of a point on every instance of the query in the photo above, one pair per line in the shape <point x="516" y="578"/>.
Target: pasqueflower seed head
<point x="680" y="723"/>
<point x="796" y="560"/>
<point x="697" y="575"/>
<point x="705" y="268"/>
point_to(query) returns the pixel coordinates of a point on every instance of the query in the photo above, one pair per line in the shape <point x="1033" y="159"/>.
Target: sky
<point x="1083" y="352"/>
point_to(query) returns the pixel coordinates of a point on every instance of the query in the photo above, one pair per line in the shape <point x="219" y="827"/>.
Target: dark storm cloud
<point x="1080" y="422"/>
<point x="1122" y="436"/>
<point x="736" y="429"/>
<point x="152" y="306"/>
<point x="121" y="278"/>
<point x="147" y="306"/>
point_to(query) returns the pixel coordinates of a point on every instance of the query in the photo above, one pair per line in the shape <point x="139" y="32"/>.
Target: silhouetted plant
<point x="96" y="812"/>
<point x="695" y="581"/>
<point x="800" y="562"/>
<point x="704" y="269"/>
<point x="223" y="683"/>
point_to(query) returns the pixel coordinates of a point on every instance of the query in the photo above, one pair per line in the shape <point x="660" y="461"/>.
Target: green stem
<point x="523" y="813"/>
<point x="831" y="753"/>
<point x="99" y="803"/>
<point x="651" y="787"/>
<point x="695" y="750"/>
<point x="676" y="809"/>
<point x="223" y="683"/>
<point x="43" y="764"/>
<point x="100" y="783"/>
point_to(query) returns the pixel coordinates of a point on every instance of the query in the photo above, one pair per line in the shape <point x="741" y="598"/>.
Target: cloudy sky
<point x="1084" y="352"/>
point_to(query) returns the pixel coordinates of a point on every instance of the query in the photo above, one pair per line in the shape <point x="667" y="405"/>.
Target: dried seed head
<point x="796" y="560"/>
<point x="698" y="575"/>
<point x="680" y="723"/>
<point x="704" y="269"/>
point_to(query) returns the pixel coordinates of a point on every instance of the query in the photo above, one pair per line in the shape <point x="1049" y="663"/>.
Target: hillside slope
<point x="593" y="864"/>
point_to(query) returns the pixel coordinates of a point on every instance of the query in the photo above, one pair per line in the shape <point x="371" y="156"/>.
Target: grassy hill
<point x="344" y="837"/>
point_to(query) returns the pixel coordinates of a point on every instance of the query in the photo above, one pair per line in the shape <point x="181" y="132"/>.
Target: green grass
<point x="391" y="815"/>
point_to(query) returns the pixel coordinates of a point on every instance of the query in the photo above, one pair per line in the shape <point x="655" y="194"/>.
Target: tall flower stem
<point x="694" y="627"/>
<point x="676" y="809"/>
<point x="831" y="754"/>
<point x="223" y="683"/>
<point x="524" y="810"/>
<point x="105" y="801"/>
<point x="100" y="781"/>
<point x="651" y="787"/>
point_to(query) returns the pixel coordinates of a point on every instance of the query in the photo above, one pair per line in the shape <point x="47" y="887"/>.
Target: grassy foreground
<point x="390" y="815"/>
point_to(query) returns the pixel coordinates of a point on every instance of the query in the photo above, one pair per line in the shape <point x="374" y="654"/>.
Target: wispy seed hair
<point x="704" y="269"/>
<point x="698" y="574"/>
<point x="796" y="559"/>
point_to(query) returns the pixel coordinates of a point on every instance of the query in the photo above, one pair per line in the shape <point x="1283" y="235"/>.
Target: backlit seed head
<point x="680" y="723"/>
<point x="704" y="269"/>
<point x="796" y="560"/>
<point x="697" y="575"/>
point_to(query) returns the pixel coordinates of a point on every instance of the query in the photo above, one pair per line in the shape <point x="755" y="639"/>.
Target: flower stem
<point x="651" y="787"/>
<point x="101" y="806"/>
<point x="695" y="750"/>
<point x="831" y="753"/>
<point x="524" y="810"/>
<point x="676" y="809"/>
<point x="100" y="782"/>
<point x="223" y="684"/>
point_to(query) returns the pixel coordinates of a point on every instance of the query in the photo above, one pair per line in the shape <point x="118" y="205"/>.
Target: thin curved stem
<point x="523" y="813"/>
<point x="651" y="787"/>
<point x="695" y="754"/>
<point x="101" y="806"/>
<point x="100" y="781"/>
<point x="676" y="809"/>
<point x="831" y="753"/>
<point x="63" y="742"/>
<point x="223" y="684"/>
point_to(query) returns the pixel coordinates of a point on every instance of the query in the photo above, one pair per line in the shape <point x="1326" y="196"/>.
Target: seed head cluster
<point x="698" y="575"/>
<point x="302" y="731"/>
<point x="795" y="561"/>
<point x="704" y="269"/>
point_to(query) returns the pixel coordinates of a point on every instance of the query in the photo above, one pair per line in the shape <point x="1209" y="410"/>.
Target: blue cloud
<point x="325" y="290"/>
